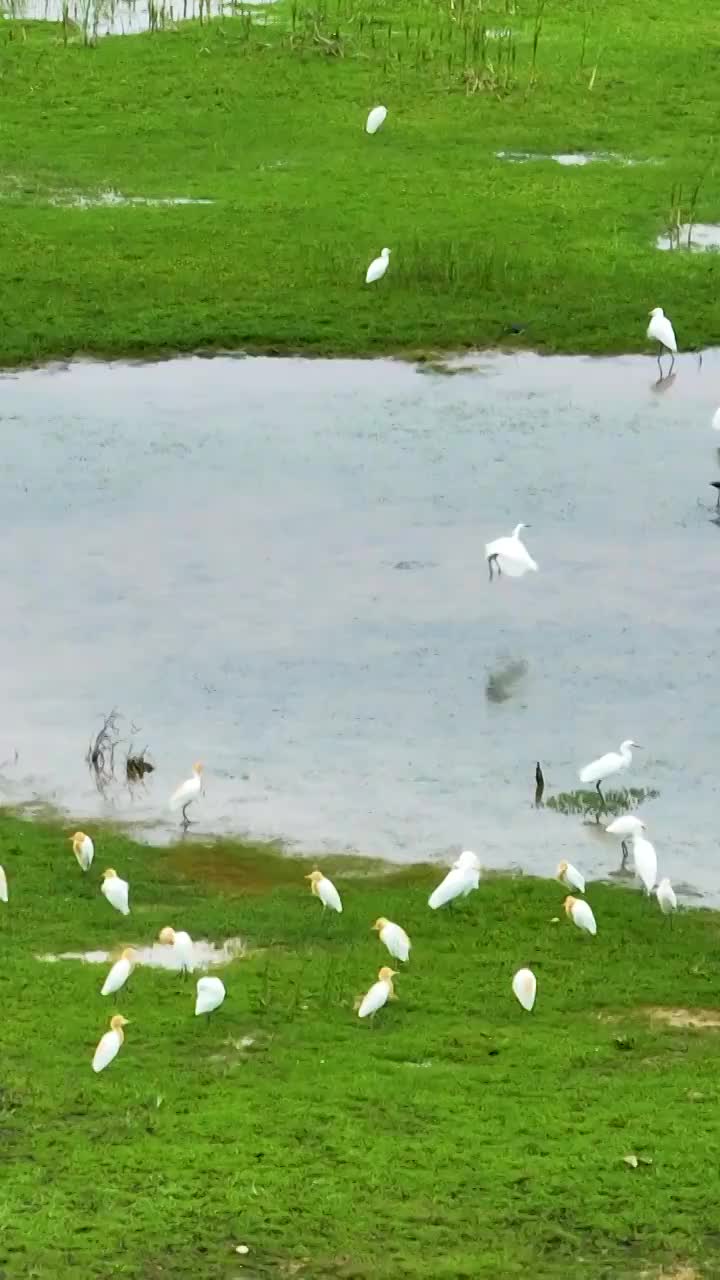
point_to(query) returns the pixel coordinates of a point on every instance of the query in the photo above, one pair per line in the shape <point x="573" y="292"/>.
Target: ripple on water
<point x="206" y="955"/>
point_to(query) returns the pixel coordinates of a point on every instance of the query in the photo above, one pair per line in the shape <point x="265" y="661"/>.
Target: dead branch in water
<point x="100" y="757"/>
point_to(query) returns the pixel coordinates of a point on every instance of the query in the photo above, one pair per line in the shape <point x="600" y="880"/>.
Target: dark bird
<point x="539" y="784"/>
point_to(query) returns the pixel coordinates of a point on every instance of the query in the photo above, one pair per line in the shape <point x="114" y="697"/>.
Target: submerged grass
<point x="266" y="120"/>
<point x="458" y="1137"/>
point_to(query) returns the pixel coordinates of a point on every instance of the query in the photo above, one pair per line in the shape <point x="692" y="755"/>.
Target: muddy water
<point x="276" y="566"/>
<point x="125" y="17"/>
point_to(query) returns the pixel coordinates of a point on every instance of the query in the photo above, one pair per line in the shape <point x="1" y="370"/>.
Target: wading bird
<point x="581" y="914"/>
<point x="116" y="891"/>
<point x="84" y="850"/>
<point x="394" y="938"/>
<point x="524" y="986"/>
<point x="460" y="880"/>
<point x="625" y="826"/>
<point x="325" y="890"/>
<point x="569" y="875"/>
<point x="605" y="766"/>
<point x="666" y="897"/>
<point x="187" y="792"/>
<point x="661" y="330"/>
<point x="109" y="1046"/>
<point x="210" y="995"/>
<point x="120" y="972"/>
<point x="378" y="267"/>
<point x="376" y="118"/>
<point x="509" y="555"/>
<point x="645" y="859"/>
<point x="182" y="946"/>
<point x="379" y="993"/>
<point x="3" y="885"/>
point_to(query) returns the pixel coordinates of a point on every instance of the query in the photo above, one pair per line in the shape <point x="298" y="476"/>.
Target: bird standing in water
<point x="187" y="792"/>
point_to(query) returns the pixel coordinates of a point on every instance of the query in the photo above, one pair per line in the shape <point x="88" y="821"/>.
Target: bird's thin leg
<point x="624" y="848"/>
<point x="599" y="791"/>
<point x="186" y="821"/>
<point x="490" y="559"/>
<point x="672" y="363"/>
<point x="659" y="364"/>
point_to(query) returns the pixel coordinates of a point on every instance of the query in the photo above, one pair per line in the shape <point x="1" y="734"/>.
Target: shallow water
<point x="698" y="237"/>
<point x="276" y="566"/>
<point x="206" y="955"/>
<point x="127" y="17"/>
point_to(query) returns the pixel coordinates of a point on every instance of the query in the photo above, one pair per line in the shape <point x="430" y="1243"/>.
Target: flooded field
<point x="277" y="567"/>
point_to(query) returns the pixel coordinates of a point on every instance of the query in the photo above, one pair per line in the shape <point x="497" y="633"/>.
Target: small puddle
<point x="114" y="199"/>
<point x="571" y="159"/>
<point x="697" y="237"/>
<point x="206" y="955"/>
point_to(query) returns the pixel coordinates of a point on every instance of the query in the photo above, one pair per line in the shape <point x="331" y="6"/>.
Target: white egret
<point x="581" y="914"/>
<point x="325" y="890"/>
<point x="120" y="972"/>
<point x="645" y="859"/>
<point x="459" y="882"/>
<point x="661" y="330"/>
<point x="379" y="993"/>
<point x="569" y="875"/>
<point x="524" y="986"/>
<point x="394" y="938"/>
<point x="210" y="995"/>
<point x="666" y="897"/>
<point x="3" y="885"/>
<point x="116" y="891"/>
<point x="605" y="766"/>
<point x="110" y="1044"/>
<point x="84" y="850"/>
<point x="510" y="555"/>
<point x="376" y="118"/>
<point x="187" y="792"/>
<point x="378" y="267"/>
<point x="716" y="420"/>
<point x="182" y="946"/>
<point x="626" y="825"/>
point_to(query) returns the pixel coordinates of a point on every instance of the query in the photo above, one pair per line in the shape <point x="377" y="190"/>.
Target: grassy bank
<point x="458" y="1137"/>
<point x="267" y="122"/>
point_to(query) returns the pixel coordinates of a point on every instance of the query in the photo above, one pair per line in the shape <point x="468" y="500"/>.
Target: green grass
<point x="267" y="121"/>
<point x="457" y="1137"/>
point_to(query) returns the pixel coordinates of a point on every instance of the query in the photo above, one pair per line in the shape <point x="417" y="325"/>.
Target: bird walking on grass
<point x="110" y="1044"/>
<point x="394" y="938"/>
<point x="379" y="993"/>
<point x="581" y="914"/>
<point x="116" y="891"/>
<point x="378" y="267"/>
<point x="509" y="555"/>
<point x="376" y="118"/>
<point x="187" y="793"/>
<point x="325" y="890"/>
<point x="3" y="885"/>
<point x="569" y="875"/>
<point x="524" y="986"/>
<point x="210" y="995"/>
<point x="459" y="882"/>
<point x="660" y="330"/>
<point x="182" y="947"/>
<point x="84" y="850"/>
<point x="120" y="972"/>
<point x="666" y="897"/>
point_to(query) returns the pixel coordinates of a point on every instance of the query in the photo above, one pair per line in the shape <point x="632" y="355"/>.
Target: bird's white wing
<point x="575" y="878"/>
<point x="376" y="270"/>
<point x="187" y="791"/>
<point x="449" y="888"/>
<point x="524" y="986"/>
<point x="116" y="891"/>
<point x="396" y="941"/>
<point x="87" y="853"/>
<point x="329" y="895"/>
<point x="375" y="119"/>
<point x="107" y="1050"/>
<point x="627" y="825"/>
<point x="374" y="1000"/>
<point x="210" y="995"/>
<point x="514" y="559"/>
<point x="116" y="978"/>
<point x="583" y="916"/>
<point x="661" y="329"/>
<point x="645" y="859"/>
<point x="3" y="886"/>
<point x="601" y="768"/>
<point x="472" y="880"/>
